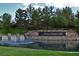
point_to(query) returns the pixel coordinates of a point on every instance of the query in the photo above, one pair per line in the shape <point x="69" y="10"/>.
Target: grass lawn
<point x="14" y="51"/>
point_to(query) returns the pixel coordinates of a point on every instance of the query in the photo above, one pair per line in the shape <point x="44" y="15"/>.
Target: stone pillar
<point x="0" y="37"/>
<point x="17" y="37"/>
<point x="9" y="36"/>
<point x="13" y="37"/>
<point x="22" y="38"/>
<point x="25" y="36"/>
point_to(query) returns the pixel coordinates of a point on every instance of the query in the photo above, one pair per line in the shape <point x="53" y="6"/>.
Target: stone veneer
<point x="70" y="40"/>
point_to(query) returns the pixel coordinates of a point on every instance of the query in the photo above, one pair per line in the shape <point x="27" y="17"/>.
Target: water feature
<point x="14" y="40"/>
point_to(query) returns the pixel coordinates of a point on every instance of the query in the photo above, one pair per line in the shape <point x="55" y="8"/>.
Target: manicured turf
<point x="14" y="51"/>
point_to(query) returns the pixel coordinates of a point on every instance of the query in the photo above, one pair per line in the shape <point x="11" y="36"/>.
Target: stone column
<point x="25" y="36"/>
<point x="17" y="37"/>
<point x="9" y="36"/>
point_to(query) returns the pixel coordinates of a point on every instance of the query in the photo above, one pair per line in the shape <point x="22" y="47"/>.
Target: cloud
<point x="25" y="5"/>
<point x="18" y="5"/>
<point x="56" y="3"/>
<point x="63" y="3"/>
<point x="36" y="5"/>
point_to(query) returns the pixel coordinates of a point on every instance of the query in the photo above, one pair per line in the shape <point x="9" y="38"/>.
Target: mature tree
<point x="61" y="18"/>
<point x="20" y="18"/>
<point x="77" y="14"/>
<point x="67" y="12"/>
<point x="36" y="19"/>
<point x="30" y="10"/>
<point x="46" y="17"/>
<point x="51" y="8"/>
<point x="58" y="12"/>
<point x="6" y="22"/>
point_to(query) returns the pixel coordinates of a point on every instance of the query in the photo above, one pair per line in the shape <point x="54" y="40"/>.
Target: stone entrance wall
<point x="70" y="40"/>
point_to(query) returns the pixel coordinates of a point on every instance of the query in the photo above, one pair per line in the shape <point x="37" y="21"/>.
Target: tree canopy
<point x="48" y="17"/>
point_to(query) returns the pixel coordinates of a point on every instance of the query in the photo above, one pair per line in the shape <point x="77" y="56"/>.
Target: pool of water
<point x="16" y="43"/>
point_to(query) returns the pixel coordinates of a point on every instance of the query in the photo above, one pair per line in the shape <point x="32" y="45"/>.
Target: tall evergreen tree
<point x="6" y="22"/>
<point x="20" y="18"/>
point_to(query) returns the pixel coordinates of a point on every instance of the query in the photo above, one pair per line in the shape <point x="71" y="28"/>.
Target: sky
<point x="10" y="7"/>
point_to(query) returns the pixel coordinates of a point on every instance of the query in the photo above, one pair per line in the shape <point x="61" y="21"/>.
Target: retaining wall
<point x="70" y="40"/>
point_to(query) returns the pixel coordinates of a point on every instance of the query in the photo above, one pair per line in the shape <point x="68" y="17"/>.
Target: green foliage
<point x="76" y="24"/>
<point x="6" y="22"/>
<point x="21" y="18"/>
<point x="18" y="30"/>
<point x="35" y="22"/>
<point x="46" y="18"/>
